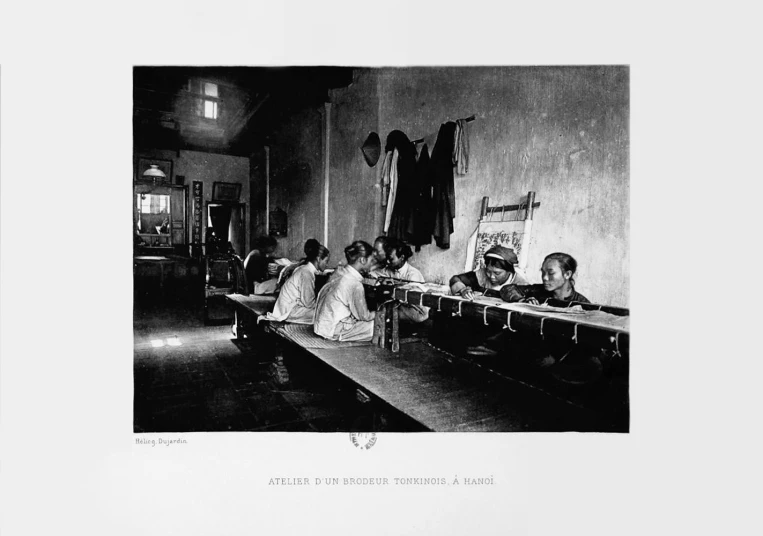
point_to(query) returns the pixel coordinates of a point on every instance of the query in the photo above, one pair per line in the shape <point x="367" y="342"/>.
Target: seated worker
<point x="558" y="271"/>
<point x="341" y="311"/>
<point x="566" y="362"/>
<point x="397" y="254"/>
<point x="499" y="271"/>
<point x="296" y="301"/>
<point x="380" y="256"/>
<point x="257" y="263"/>
<point x="285" y="274"/>
<point x="378" y="260"/>
<point x="472" y="335"/>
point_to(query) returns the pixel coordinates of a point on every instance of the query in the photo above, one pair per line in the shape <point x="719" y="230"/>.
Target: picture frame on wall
<point x="164" y="165"/>
<point x="226" y="191"/>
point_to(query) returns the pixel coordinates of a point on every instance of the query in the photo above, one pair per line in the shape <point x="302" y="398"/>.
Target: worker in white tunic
<point x="378" y="260"/>
<point x="397" y="254"/>
<point x="296" y="301"/>
<point x="341" y="311"/>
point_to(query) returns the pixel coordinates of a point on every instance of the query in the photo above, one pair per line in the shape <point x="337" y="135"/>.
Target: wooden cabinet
<point x="160" y="214"/>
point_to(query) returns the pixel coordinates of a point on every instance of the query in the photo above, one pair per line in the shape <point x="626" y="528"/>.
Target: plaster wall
<point x="562" y="132"/>
<point x="296" y="176"/>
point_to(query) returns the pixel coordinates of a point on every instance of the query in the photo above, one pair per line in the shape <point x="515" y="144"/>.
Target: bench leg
<point x="239" y="325"/>
<point x="379" y="332"/>
<point x="395" y="343"/>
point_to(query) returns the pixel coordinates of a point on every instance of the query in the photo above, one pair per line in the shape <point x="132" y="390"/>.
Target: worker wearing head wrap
<point x="499" y="270"/>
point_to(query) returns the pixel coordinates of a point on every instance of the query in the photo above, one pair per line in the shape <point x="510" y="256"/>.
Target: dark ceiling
<point x="252" y="100"/>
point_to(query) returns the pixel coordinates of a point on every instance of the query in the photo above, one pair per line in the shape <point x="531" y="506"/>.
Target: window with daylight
<point x="208" y="105"/>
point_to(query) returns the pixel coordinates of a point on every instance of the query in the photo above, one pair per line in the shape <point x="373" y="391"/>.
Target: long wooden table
<point x="592" y="325"/>
<point x="419" y="381"/>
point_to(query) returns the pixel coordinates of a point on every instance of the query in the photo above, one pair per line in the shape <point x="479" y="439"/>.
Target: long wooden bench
<point x="418" y="381"/>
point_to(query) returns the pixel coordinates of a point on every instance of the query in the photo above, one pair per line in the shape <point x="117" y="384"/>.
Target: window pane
<point x="210" y="109"/>
<point x="210" y="89"/>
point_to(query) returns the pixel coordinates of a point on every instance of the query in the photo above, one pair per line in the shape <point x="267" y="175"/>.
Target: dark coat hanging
<point x="423" y="211"/>
<point x="401" y="225"/>
<point x="444" y="193"/>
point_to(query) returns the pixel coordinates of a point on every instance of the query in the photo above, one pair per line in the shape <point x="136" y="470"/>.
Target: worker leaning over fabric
<point x="341" y="311"/>
<point x="558" y="276"/>
<point x="257" y="265"/>
<point x="378" y="261"/>
<point x="498" y="271"/>
<point x="296" y="301"/>
<point x="285" y="274"/>
<point x="397" y="254"/>
<point x="379" y="257"/>
<point x="471" y="335"/>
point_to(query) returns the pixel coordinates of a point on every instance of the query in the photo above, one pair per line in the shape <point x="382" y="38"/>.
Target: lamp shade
<point x="154" y="172"/>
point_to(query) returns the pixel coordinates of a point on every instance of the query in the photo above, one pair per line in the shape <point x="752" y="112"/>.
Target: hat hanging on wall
<point x="371" y="149"/>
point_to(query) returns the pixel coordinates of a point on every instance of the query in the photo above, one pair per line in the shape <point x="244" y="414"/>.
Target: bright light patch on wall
<point x="174" y="341"/>
<point x="157" y="343"/>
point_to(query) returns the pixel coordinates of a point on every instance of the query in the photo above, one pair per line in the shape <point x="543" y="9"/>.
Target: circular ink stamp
<point x="363" y="441"/>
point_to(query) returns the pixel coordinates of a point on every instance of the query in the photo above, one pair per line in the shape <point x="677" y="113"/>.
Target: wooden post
<point x="326" y="170"/>
<point x="530" y="202"/>
<point x="483" y="208"/>
<point x="527" y="233"/>
<point x="267" y="190"/>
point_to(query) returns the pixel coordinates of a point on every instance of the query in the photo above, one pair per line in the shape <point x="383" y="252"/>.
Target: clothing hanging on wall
<point x="423" y="209"/>
<point x="385" y="178"/>
<point x="444" y="194"/>
<point x="401" y="206"/>
<point x="461" y="147"/>
<point x="392" y="189"/>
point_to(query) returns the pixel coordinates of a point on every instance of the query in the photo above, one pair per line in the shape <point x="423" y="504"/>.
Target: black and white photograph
<point x="251" y="252"/>
<point x="438" y="249"/>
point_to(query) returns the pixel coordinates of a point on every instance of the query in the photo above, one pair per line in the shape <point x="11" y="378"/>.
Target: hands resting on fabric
<point x="512" y="294"/>
<point x="467" y="293"/>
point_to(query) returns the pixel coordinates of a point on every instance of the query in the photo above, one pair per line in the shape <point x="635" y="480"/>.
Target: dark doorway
<point x="229" y="222"/>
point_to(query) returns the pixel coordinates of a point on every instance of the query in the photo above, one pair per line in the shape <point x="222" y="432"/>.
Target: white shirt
<point x="341" y="300"/>
<point x="296" y="302"/>
<point x="406" y="272"/>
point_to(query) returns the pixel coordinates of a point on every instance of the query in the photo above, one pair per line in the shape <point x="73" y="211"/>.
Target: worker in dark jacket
<point x="499" y="270"/>
<point x="558" y="273"/>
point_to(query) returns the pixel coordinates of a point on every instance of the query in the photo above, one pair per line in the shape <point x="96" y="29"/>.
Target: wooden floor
<point x="211" y="382"/>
